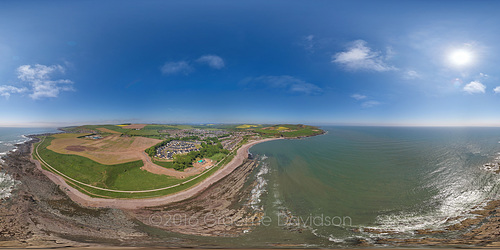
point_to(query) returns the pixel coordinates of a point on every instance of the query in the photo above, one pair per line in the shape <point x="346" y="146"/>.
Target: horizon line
<point x="339" y="124"/>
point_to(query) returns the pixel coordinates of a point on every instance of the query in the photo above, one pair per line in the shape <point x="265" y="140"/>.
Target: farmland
<point x="124" y="177"/>
<point x="113" y="149"/>
<point x="289" y="131"/>
<point x="111" y="161"/>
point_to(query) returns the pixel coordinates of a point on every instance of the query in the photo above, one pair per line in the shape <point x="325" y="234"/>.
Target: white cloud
<point x="215" y="62"/>
<point x="361" y="57"/>
<point x="289" y="83"/>
<point x="170" y="68"/>
<point x="369" y="104"/>
<point x="358" y="97"/>
<point x="497" y="90"/>
<point x="6" y="90"/>
<point x="39" y="79"/>
<point x="474" y="87"/>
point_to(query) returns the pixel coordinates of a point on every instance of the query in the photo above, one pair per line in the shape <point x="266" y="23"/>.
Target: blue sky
<point x="315" y="62"/>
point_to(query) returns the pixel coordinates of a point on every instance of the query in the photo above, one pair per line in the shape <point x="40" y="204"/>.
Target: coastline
<point x="41" y="214"/>
<point x="479" y="232"/>
<point x="87" y="201"/>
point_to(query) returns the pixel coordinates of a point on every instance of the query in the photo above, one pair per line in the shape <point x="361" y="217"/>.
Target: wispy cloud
<point x="6" y="90"/>
<point x="214" y="61"/>
<point x="411" y="74"/>
<point x="365" y="104"/>
<point x="475" y="87"/>
<point x="308" y="43"/>
<point x="41" y="85"/>
<point x="358" y="96"/>
<point x="286" y="82"/>
<point x="369" y="104"/>
<point x="496" y="90"/>
<point x="186" y="67"/>
<point x="483" y="75"/>
<point x="170" y="68"/>
<point x="361" y="57"/>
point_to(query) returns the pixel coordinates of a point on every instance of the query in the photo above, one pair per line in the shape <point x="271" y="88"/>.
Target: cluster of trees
<point x="184" y="161"/>
<point x="212" y="140"/>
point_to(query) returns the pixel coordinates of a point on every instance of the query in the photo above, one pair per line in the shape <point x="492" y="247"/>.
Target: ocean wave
<point x="259" y="188"/>
<point x="7" y="185"/>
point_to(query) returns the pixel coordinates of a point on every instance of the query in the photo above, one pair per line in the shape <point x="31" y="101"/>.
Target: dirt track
<point x="88" y="201"/>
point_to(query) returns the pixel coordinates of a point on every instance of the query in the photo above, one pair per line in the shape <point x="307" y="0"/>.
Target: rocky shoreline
<point x="39" y="214"/>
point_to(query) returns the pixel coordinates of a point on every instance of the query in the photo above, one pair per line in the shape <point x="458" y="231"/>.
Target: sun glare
<point x="460" y="57"/>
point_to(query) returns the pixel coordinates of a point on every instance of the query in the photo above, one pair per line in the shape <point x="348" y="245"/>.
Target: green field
<point x="165" y="164"/>
<point x="217" y="157"/>
<point x="126" y="177"/>
<point x="288" y="130"/>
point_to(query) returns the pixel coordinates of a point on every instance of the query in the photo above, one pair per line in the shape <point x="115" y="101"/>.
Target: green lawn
<point x="217" y="157"/>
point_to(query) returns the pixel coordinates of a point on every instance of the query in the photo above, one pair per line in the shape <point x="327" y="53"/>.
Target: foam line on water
<point x="259" y="188"/>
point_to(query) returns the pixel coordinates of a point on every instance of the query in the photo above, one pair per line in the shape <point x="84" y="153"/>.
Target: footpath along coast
<point x="85" y="200"/>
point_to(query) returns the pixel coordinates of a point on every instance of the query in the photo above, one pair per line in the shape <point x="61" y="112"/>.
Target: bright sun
<point x="460" y="57"/>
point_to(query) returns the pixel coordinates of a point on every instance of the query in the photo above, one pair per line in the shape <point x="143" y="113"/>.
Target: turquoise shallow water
<point x="400" y="179"/>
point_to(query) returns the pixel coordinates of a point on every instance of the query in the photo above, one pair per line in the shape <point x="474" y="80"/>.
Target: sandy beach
<point x="87" y="201"/>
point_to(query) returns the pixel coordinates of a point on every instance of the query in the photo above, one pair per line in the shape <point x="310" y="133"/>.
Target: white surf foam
<point x="259" y="188"/>
<point x="7" y="184"/>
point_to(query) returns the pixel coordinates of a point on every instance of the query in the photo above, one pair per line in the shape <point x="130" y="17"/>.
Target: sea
<point x="9" y="137"/>
<point x="333" y="190"/>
